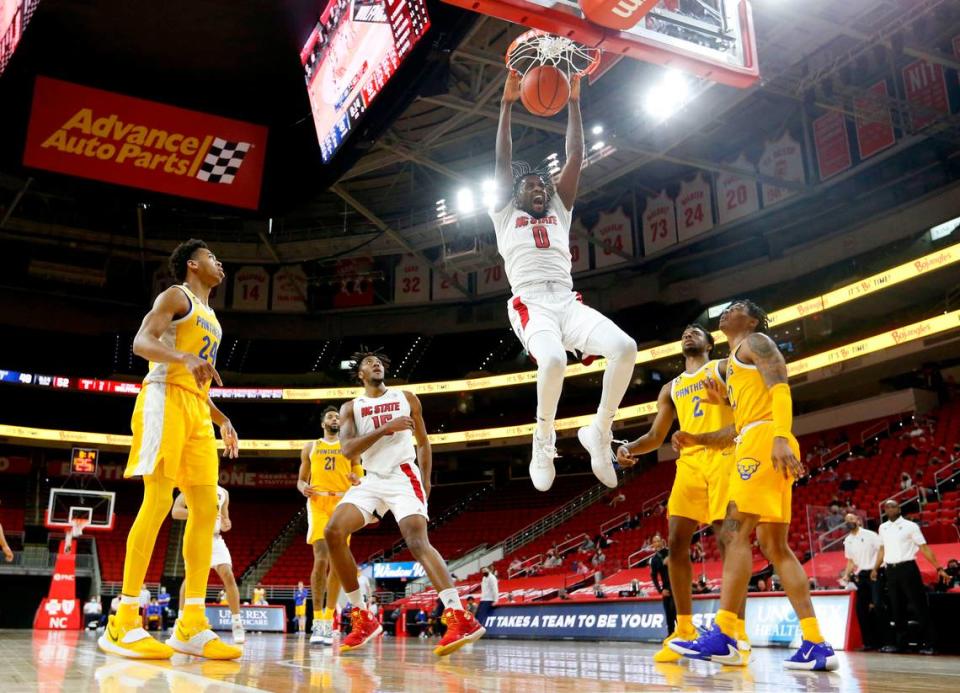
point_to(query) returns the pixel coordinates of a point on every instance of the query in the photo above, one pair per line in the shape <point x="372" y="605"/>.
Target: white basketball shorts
<point x="560" y="312"/>
<point x="400" y="492"/>
<point x="221" y="554"/>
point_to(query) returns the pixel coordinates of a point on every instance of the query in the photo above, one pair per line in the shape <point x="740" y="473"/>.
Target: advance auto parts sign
<point x="97" y="134"/>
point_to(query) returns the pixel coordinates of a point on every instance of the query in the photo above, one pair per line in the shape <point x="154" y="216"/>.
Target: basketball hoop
<point x="535" y="48"/>
<point x="77" y="525"/>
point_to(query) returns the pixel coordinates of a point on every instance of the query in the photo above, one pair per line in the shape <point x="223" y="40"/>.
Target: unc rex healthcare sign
<point x="118" y="139"/>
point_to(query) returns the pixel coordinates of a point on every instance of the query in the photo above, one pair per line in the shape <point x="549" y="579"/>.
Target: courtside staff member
<point x="861" y="547"/>
<point x="901" y="539"/>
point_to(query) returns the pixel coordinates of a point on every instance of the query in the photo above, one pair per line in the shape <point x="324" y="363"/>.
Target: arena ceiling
<point x="432" y="134"/>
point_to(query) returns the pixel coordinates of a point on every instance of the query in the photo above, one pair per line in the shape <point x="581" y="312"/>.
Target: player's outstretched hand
<point x="401" y="423"/>
<point x="785" y="461"/>
<point x="574" y="87"/>
<point x="203" y="371"/>
<point x="231" y="441"/>
<point x="625" y="458"/>
<point x="225" y="524"/>
<point x="682" y="439"/>
<point x="354" y="479"/>
<point x="511" y="89"/>
<point x="713" y="392"/>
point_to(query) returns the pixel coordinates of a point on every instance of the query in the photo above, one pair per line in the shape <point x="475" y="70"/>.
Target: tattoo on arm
<point x="768" y="359"/>
<point x="719" y="439"/>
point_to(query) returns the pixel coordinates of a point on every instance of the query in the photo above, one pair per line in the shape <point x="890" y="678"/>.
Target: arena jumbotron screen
<point x="354" y="50"/>
<point x="14" y="15"/>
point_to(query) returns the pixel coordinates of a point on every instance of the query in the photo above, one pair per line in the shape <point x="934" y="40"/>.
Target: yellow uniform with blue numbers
<point x="329" y="472"/>
<point x="700" y="486"/>
<point x="171" y="419"/>
<point x="755" y="486"/>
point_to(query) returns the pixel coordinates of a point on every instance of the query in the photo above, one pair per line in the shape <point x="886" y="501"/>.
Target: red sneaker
<point x="364" y="628"/>
<point x="462" y="628"/>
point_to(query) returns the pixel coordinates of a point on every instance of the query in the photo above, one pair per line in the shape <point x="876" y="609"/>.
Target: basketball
<point x="544" y="90"/>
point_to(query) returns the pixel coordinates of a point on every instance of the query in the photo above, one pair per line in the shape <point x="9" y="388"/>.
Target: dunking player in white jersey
<point x="379" y="427"/>
<point x="533" y="236"/>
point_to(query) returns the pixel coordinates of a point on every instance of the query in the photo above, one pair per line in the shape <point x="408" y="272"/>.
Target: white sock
<point x="235" y="618"/>
<point x="451" y="599"/>
<point x="551" y="364"/>
<point x="356" y="598"/>
<point x="620" y="351"/>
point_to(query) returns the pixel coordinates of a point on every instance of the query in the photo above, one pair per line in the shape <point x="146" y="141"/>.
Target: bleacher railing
<point x="653" y="502"/>
<point x="638" y="557"/>
<point x="537" y="529"/>
<point x="902" y="497"/>
<point x="525" y="566"/>
<point x="615" y="523"/>
<point x="874" y="431"/>
<point x="945" y="474"/>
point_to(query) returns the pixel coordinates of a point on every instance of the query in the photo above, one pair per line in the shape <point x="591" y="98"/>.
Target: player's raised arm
<point x="503" y="175"/>
<point x="424" y="451"/>
<point x="353" y="445"/>
<point x="764" y="354"/>
<point x="652" y="439"/>
<point x="569" y="179"/>
<point x="169" y="305"/>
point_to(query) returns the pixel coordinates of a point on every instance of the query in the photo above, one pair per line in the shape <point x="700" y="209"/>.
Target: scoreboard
<point x="353" y="51"/>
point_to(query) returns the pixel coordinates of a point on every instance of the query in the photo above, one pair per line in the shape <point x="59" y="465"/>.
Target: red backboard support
<point x="725" y="52"/>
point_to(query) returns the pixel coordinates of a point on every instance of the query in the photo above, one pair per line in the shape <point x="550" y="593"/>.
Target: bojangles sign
<point x="119" y="139"/>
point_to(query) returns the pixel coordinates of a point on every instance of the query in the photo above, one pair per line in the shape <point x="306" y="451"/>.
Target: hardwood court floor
<point x="71" y="662"/>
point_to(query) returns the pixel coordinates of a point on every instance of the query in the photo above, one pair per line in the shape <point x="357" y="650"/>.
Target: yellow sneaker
<point x="201" y="642"/>
<point x="132" y="641"/>
<point x="666" y="655"/>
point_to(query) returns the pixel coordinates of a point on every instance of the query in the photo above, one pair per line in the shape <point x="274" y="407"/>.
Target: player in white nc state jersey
<point x="380" y="427"/>
<point x="533" y="236"/>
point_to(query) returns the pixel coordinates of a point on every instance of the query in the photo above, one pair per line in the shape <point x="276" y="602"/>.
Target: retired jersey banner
<point x="492" y="280"/>
<point x="445" y="285"/>
<point x="251" y="288"/>
<point x="694" y="208"/>
<point x="736" y="196"/>
<point x="659" y="224"/>
<point x="782" y="159"/>
<point x="615" y="234"/>
<point x="290" y="290"/>
<point x="411" y="280"/>
<point x="119" y="139"/>
<point x="579" y="247"/>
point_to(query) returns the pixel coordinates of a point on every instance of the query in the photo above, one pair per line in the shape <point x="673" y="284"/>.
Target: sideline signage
<point x="264" y="619"/>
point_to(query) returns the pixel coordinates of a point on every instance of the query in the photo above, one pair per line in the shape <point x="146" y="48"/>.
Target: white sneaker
<point x="601" y="454"/>
<point x="327" y="633"/>
<point x="239" y="635"/>
<point x="542" y="471"/>
<point x="316" y="632"/>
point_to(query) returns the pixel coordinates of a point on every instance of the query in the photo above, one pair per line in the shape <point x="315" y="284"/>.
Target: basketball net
<point x="77" y="526"/>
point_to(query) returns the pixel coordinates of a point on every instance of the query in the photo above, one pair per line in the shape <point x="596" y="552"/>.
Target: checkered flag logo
<point x="222" y="162"/>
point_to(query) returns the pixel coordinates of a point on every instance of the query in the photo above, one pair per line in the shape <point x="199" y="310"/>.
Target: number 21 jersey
<point x="534" y="250"/>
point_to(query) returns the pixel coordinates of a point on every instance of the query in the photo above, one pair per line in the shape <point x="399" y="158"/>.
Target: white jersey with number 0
<point x="534" y="250"/>
<point x="369" y="414"/>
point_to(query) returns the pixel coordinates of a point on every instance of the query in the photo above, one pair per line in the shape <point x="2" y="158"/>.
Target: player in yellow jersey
<point x="699" y="493"/>
<point x="325" y="475"/>
<point x="174" y="446"/>
<point x="767" y="463"/>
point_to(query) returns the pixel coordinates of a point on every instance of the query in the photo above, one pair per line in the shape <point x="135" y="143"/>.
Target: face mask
<point x="851" y="525"/>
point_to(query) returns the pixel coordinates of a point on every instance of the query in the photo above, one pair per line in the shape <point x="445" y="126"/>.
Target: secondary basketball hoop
<point x="536" y="48"/>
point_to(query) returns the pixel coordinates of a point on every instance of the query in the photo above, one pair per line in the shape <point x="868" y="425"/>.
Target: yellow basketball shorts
<point x="755" y="486"/>
<point x="700" y="486"/>
<point x="173" y="425"/>
<point x="319" y="511"/>
<point x="300" y="610"/>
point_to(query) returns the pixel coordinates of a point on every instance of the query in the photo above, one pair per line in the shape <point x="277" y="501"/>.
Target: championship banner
<point x="290" y="290"/>
<point x="411" y="282"/>
<point x="736" y="196"/>
<point x="579" y="248"/>
<point x="251" y="285"/>
<point x="925" y="85"/>
<point x="694" y="208"/>
<point x="91" y="133"/>
<point x="771" y="621"/>
<point x="659" y="224"/>
<point x="445" y="285"/>
<point x="874" y="124"/>
<point x="258" y="619"/>
<point x="614" y="231"/>
<point x="832" y="144"/>
<point x="492" y="280"/>
<point x="782" y="159"/>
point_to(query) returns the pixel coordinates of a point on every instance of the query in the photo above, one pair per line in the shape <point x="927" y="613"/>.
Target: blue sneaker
<point x="712" y="646"/>
<point x="813" y="657"/>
